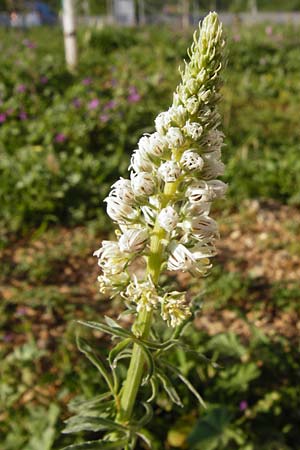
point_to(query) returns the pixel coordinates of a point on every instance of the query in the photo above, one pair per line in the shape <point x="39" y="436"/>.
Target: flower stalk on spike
<point x="162" y="214"/>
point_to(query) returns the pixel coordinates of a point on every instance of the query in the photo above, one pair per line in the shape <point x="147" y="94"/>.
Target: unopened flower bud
<point x="133" y="240"/>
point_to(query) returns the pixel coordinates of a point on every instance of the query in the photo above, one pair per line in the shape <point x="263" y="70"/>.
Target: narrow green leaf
<point x="111" y="322"/>
<point x="145" y="419"/>
<point x="86" y="348"/>
<point x="116" y="350"/>
<point x="114" y="331"/>
<point x="186" y="382"/>
<point x="154" y="389"/>
<point x="76" y="405"/>
<point x="83" y="423"/>
<point x="145" y="438"/>
<point x="169" y="388"/>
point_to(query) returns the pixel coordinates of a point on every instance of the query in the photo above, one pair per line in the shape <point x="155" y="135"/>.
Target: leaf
<point x="116" y="350"/>
<point x="76" y="405"/>
<point x="169" y="388"/>
<point x="227" y="344"/>
<point x="154" y="389"/>
<point x="211" y="427"/>
<point x="186" y="382"/>
<point x="147" y="417"/>
<point x="83" y="423"/>
<point x="114" y="331"/>
<point x="97" y="445"/>
<point x="145" y="438"/>
<point x="111" y="322"/>
<point x="86" y="348"/>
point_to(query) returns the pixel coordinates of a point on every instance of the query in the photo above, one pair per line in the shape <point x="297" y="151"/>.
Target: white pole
<point x="69" y="27"/>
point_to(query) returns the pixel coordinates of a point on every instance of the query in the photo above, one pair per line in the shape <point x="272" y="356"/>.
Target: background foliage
<point x="63" y="140"/>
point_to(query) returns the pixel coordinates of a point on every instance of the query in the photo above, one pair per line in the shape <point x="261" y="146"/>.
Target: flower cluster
<point x="171" y="187"/>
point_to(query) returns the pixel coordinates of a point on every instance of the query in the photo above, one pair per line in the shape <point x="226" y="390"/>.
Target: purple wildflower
<point x="8" y="337"/>
<point x="60" y="138"/>
<point x="86" y="81"/>
<point x="21" y="88"/>
<point x="134" y="96"/>
<point x="104" y="118"/>
<point x="76" y="102"/>
<point x="243" y="405"/>
<point x="110" y="105"/>
<point x="44" y="79"/>
<point x="29" y="44"/>
<point x="93" y="104"/>
<point x="21" y="311"/>
<point x="2" y="117"/>
<point x="23" y="115"/>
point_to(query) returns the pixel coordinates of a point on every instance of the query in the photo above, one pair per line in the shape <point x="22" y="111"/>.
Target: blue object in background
<point x="47" y="15"/>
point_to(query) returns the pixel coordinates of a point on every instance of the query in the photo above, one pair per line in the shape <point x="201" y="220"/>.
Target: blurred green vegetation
<point x="63" y="140"/>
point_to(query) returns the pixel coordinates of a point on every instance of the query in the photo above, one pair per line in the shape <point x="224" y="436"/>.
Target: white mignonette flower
<point x="213" y="140"/>
<point x="192" y="86"/>
<point x="174" y="308"/>
<point x="158" y="145"/>
<point x="192" y="105"/>
<point x="204" y="227"/>
<point x="113" y="284"/>
<point x="212" y="167"/>
<point x="119" y="210"/>
<point x="110" y="258"/>
<point x="194" y="260"/>
<point x="163" y="122"/>
<point x="143" y="294"/>
<point x="175" y="137"/>
<point x="169" y="171"/>
<point x="142" y="184"/>
<point x="149" y="215"/>
<point x="191" y="161"/>
<point x="178" y="115"/>
<point x="133" y="240"/>
<point x="122" y="189"/>
<point x="168" y="218"/>
<point x="202" y="191"/>
<point x="193" y="130"/>
<point x="217" y="188"/>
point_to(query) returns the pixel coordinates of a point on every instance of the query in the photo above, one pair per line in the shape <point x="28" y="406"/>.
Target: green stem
<point x="144" y="318"/>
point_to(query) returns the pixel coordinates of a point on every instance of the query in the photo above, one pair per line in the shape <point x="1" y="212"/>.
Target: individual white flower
<point x="191" y="161"/>
<point x="217" y="188"/>
<point x="158" y="145"/>
<point x="142" y="184"/>
<point x="175" y="137"/>
<point x="192" y="105"/>
<point x="122" y="189"/>
<point x="168" y="218"/>
<point x="143" y="293"/>
<point x="113" y="284"/>
<point x="194" y="130"/>
<point x="192" y="85"/>
<point x="119" y="210"/>
<point x="110" y="258"/>
<point x="149" y="215"/>
<point x="212" y="167"/>
<point x="174" y="308"/>
<point x="204" y="95"/>
<point x="178" y="115"/>
<point x="194" y="260"/>
<point x="198" y="192"/>
<point x="133" y="240"/>
<point x="204" y="227"/>
<point x="169" y="171"/>
<point x="163" y="122"/>
<point x="140" y="159"/>
<point x="213" y="141"/>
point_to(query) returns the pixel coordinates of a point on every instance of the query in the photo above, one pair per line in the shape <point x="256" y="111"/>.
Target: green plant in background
<point x="162" y="213"/>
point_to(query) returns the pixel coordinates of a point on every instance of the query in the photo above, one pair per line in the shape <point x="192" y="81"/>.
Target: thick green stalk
<point x="144" y="318"/>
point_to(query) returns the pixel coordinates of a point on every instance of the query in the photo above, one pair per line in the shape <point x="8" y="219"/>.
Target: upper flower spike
<point x="171" y="187"/>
